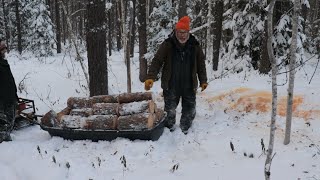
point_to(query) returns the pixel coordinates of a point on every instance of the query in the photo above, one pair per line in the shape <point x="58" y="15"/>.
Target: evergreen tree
<point x="40" y="34"/>
<point x="162" y="20"/>
<point x="246" y="22"/>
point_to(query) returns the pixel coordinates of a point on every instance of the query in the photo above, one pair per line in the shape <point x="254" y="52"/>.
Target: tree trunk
<point x="126" y="46"/>
<point x="217" y="32"/>
<point x="19" y="33"/>
<point x="58" y="28"/>
<point x="209" y="27"/>
<point x="5" y="16"/>
<point x="264" y="64"/>
<point x="182" y="8"/>
<point x="110" y="30"/>
<point x="133" y="29"/>
<point x="142" y="28"/>
<point x="118" y="25"/>
<point x="74" y="42"/>
<point x="64" y="28"/>
<point x="274" y="92"/>
<point x="96" y="46"/>
<point x="293" y="50"/>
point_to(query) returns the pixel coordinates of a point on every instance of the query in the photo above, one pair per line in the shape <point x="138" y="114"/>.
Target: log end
<point x="49" y="119"/>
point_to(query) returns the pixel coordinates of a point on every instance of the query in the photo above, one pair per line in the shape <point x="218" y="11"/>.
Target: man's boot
<point x="186" y="120"/>
<point x="171" y="120"/>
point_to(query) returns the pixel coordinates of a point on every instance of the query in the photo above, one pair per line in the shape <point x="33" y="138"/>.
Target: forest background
<point x="233" y="33"/>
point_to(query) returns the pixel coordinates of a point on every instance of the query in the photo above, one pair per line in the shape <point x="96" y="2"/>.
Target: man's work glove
<point x="148" y="84"/>
<point x="203" y="86"/>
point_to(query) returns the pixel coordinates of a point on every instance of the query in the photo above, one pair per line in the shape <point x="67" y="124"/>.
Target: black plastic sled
<point x="96" y="135"/>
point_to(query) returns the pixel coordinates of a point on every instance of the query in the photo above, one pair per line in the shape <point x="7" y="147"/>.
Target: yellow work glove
<point x="148" y="84"/>
<point x="203" y="86"/>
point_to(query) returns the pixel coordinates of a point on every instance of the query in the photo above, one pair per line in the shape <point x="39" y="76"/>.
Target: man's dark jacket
<point x="163" y="59"/>
<point x="8" y="89"/>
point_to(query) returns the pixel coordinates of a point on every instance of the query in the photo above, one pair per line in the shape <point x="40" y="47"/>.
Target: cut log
<point x="136" y="122"/>
<point x="134" y="97"/>
<point x="49" y="119"/>
<point x="136" y="108"/>
<point x="72" y="122"/>
<point x="84" y="112"/>
<point x="152" y="106"/>
<point x="91" y="122"/>
<point x="105" y="108"/>
<point x="103" y="122"/>
<point x="159" y="116"/>
<point x="87" y="102"/>
<point x="65" y="111"/>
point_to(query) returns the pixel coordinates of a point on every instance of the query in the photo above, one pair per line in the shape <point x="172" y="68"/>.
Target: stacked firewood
<point x="127" y="111"/>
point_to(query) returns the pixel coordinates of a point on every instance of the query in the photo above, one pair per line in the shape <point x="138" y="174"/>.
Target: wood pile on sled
<point x="127" y="111"/>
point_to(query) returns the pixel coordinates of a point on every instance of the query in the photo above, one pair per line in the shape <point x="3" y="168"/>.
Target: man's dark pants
<point x="7" y="117"/>
<point x="172" y="99"/>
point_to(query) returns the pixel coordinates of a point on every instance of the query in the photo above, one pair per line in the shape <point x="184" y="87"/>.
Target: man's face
<point x="182" y="35"/>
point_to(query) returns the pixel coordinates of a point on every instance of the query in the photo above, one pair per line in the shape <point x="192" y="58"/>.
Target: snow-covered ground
<point x="231" y="109"/>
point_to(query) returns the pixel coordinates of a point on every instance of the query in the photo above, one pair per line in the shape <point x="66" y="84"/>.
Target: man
<point x="8" y="96"/>
<point x="182" y="61"/>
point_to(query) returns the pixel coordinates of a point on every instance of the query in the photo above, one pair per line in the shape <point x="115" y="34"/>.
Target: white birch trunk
<point x="125" y="43"/>
<point x="293" y="50"/>
<point x="274" y="92"/>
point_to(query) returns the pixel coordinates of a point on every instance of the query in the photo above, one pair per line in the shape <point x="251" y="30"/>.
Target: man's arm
<point x="201" y="66"/>
<point x="157" y="62"/>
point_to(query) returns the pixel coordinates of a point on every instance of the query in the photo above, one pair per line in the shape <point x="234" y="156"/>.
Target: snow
<point x="204" y="153"/>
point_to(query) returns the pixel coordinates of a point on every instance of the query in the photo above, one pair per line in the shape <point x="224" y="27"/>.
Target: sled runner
<point x="96" y="135"/>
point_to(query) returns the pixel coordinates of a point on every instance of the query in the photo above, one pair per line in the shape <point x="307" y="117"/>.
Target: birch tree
<point x="274" y="71"/>
<point x="126" y="45"/>
<point x="292" y="71"/>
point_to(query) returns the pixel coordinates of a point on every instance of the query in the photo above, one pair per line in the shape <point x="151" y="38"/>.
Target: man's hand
<point x="148" y="84"/>
<point x="203" y="86"/>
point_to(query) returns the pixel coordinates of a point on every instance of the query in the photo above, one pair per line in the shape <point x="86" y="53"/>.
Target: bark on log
<point x="65" y="111"/>
<point x="136" y="122"/>
<point x="159" y="116"/>
<point x="84" y="112"/>
<point x="103" y="122"/>
<point x="72" y="122"/>
<point x="87" y="102"/>
<point x="134" y="97"/>
<point x="91" y="122"/>
<point x="49" y="119"/>
<point x="136" y="108"/>
<point x="105" y="109"/>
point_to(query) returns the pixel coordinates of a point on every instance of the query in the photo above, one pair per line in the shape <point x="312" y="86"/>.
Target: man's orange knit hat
<point x="183" y="23"/>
